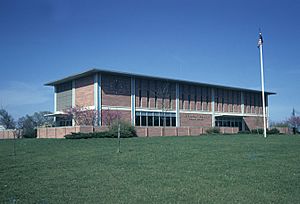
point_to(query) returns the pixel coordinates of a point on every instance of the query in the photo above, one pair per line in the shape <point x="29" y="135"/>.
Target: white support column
<point x="177" y="106"/>
<point x="55" y="99"/>
<point x="73" y="94"/>
<point x="243" y="110"/>
<point x="212" y="107"/>
<point x="73" y="99"/>
<point x="97" y="97"/>
<point x="55" y="103"/>
<point x="132" y="101"/>
<point x="242" y="103"/>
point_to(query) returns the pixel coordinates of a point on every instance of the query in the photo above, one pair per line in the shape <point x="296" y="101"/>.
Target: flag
<point x="260" y="40"/>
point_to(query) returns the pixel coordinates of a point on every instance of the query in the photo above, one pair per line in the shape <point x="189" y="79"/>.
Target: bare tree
<point x="110" y="117"/>
<point x="6" y="120"/>
<point x="82" y="115"/>
<point x="294" y="121"/>
<point x="163" y="92"/>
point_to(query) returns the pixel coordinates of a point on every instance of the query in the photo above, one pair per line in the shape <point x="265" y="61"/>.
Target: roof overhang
<point x="104" y="71"/>
<point x="56" y="114"/>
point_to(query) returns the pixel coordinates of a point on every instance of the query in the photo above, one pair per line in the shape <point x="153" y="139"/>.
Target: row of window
<point x="163" y="119"/>
<point x="228" y="122"/>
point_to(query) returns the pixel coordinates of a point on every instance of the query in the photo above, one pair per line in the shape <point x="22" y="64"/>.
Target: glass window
<point x="168" y="121"/>
<point x="143" y="118"/>
<point x="150" y="120"/>
<point x="155" y="99"/>
<point x="148" y="94"/>
<point x="161" y="120"/>
<point x="174" y="121"/>
<point x="156" y="120"/>
<point x="140" y="98"/>
<point x="137" y="120"/>
<point x="182" y="100"/>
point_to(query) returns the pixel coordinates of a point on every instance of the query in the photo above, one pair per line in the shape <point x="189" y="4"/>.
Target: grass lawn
<point x="205" y="169"/>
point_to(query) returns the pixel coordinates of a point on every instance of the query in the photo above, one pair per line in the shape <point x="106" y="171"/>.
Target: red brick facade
<point x="158" y="96"/>
<point x="84" y="91"/>
<point x="116" y="90"/>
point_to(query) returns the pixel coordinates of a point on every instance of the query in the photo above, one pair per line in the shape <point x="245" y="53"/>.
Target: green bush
<point x="126" y="131"/>
<point x="257" y="131"/>
<point x="273" y="131"/>
<point x="245" y="132"/>
<point x="29" y="133"/>
<point x="213" y="130"/>
<point x="269" y="131"/>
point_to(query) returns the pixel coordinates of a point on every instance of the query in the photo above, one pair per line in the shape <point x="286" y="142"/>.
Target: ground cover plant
<point x="206" y="169"/>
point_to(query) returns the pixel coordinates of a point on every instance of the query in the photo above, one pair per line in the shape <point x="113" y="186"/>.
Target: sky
<point x="204" y="41"/>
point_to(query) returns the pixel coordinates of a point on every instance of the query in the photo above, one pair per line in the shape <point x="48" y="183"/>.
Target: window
<point x="189" y="102"/>
<point x="170" y="101"/>
<point x="229" y="122"/>
<point x="155" y="99"/>
<point x="140" y="98"/>
<point x="173" y="121"/>
<point x="195" y="99"/>
<point x="148" y="96"/>
<point x="182" y="99"/>
<point x="150" y="119"/>
<point x="137" y="120"/>
<point x="156" y="120"/>
<point x="201" y="100"/>
<point x="143" y="118"/>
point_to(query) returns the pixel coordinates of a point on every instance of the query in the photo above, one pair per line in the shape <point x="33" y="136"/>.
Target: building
<point x="151" y="102"/>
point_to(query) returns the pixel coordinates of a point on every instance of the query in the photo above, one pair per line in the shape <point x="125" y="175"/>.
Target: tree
<point x="294" y="121"/>
<point x="7" y="120"/>
<point x="82" y="115"/>
<point x="29" y="123"/>
<point x="109" y="117"/>
<point x="28" y="126"/>
<point x="40" y="119"/>
<point x="163" y="92"/>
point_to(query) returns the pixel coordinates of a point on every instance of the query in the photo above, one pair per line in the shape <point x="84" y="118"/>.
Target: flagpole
<point x="260" y="45"/>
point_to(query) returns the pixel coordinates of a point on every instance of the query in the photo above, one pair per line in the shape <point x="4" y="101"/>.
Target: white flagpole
<point x="260" y="45"/>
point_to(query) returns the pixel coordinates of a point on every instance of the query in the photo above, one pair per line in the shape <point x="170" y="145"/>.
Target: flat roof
<point x="105" y="71"/>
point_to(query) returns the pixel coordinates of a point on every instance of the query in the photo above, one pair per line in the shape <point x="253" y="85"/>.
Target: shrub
<point x="273" y="131"/>
<point x="245" y="132"/>
<point x="126" y="131"/>
<point x="269" y="131"/>
<point x="213" y="130"/>
<point x="257" y="131"/>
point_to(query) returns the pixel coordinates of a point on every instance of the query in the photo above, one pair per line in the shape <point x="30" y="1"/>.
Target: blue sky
<point x="205" y="41"/>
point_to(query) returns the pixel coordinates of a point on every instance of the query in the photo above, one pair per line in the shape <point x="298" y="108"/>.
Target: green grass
<point x="206" y="169"/>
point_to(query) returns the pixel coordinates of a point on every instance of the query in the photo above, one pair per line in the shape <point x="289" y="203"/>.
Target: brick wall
<point x="170" y="131"/>
<point x="108" y="116"/>
<point x="8" y="134"/>
<point x="254" y="122"/>
<point x="84" y="93"/>
<point x="60" y="132"/>
<point x="116" y="90"/>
